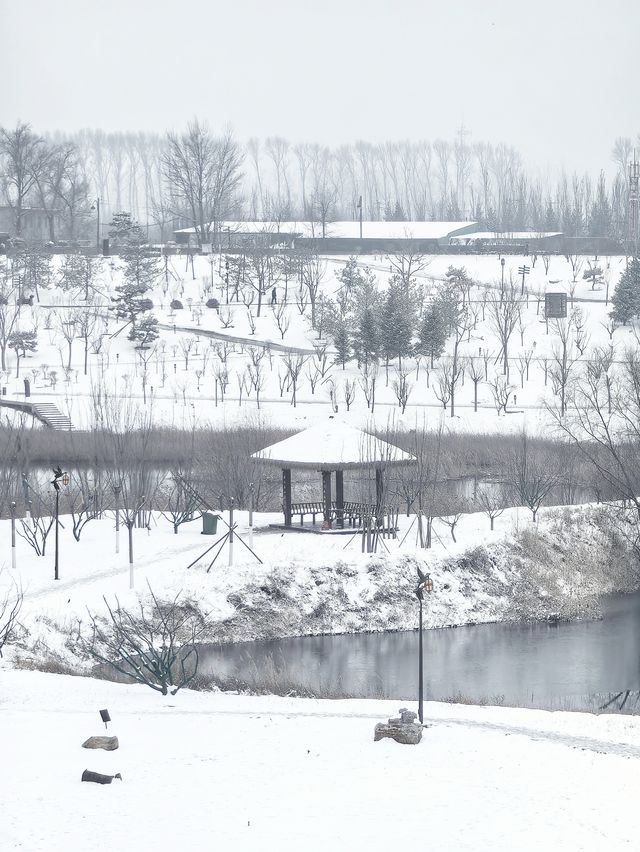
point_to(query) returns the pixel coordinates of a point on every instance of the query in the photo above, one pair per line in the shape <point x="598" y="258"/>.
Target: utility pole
<point x="523" y="270"/>
<point x="360" y="214"/>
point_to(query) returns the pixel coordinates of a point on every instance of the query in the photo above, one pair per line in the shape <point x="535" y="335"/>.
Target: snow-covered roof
<point x="349" y="229"/>
<point x="332" y="446"/>
<point x="506" y="235"/>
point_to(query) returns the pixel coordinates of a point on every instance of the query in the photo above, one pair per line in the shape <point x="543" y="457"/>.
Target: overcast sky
<point x="556" y="78"/>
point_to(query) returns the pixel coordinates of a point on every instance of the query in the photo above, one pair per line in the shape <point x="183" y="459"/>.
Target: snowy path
<point x="206" y="771"/>
<point x="255" y="342"/>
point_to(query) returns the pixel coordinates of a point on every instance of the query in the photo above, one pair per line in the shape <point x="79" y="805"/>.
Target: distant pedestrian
<point x="515" y="399"/>
<point x="274" y="297"/>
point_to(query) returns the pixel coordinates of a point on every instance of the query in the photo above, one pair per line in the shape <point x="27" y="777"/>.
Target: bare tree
<point x="504" y="314"/>
<point x="261" y="273"/>
<point x="492" y="503"/>
<point x="203" y="175"/>
<point x="476" y="374"/>
<point x="282" y="318"/>
<point x="501" y="391"/>
<point x="10" y="606"/>
<point x="402" y="388"/>
<point x="294" y="365"/>
<point x="9" y="316"/>
<point x="156" y="646"/>
<point x="349" y="392"/>
<point x="313" y="269"/>
<point x="180" y="502"/>
<point x="368" y="379"/>
<point x="22" y="158"/>
<point x="442" y="386"/>
<point x="533" y="475"/>
<point x="562" y="362"/>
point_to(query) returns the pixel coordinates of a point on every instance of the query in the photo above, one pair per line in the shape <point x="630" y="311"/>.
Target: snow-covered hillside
<point x="309" y="584"/>
<point x="199" y="369"/>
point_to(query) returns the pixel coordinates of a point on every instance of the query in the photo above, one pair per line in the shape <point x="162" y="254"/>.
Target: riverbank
<point x="205" y="770"/>
<point x="310" y="584"/>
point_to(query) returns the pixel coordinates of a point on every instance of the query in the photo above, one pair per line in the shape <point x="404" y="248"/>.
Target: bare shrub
<point x="155" y="646"/>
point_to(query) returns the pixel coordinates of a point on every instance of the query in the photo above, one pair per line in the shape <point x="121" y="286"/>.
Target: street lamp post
<point x="96" y="207"/>
<point x="58" y="477"/>
<point x="116" y="490"/>
<point x="425" y="584"/>
<point x="502" y="261"/>
<point x="13" y="536"/>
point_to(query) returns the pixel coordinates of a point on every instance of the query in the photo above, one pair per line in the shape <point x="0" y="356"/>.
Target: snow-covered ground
<point x="178" y="396"/>
<point x="218" y="771"/>
<point x="313" y="584"/>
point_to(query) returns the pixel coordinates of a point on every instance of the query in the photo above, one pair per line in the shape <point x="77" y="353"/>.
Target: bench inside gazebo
<point x="331" y="448"/>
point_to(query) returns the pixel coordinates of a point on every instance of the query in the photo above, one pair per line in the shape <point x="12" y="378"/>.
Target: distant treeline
<point x="150" y="176"/>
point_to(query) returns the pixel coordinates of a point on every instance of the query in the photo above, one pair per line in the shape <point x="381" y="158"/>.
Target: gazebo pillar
<point x="339" y="499"/>
<point x="379" y="494"/>
<point x="326" y="496"/>
<point x="286" y="496"/>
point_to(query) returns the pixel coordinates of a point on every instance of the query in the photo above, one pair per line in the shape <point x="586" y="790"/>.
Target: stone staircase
<point x="51" y="416"/>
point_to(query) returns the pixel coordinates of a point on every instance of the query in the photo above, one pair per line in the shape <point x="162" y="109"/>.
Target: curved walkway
<point x="245" y="341"/>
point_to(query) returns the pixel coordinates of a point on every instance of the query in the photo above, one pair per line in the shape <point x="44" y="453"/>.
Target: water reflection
<point x="524" y="664"/>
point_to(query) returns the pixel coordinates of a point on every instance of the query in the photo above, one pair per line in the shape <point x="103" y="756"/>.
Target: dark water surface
<point x="532" y="664"/>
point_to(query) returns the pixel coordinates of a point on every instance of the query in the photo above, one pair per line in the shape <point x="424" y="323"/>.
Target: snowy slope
<point x="216" y="771"/>
<point x="177" y="395"/>
<point x="310" y="584"/>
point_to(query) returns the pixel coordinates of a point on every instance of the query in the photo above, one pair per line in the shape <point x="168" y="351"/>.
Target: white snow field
<point x="176" y="395"/>
<point x="206" y="771"/>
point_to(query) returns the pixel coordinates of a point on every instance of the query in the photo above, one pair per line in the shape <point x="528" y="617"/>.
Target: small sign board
<point x="555" y="305"/>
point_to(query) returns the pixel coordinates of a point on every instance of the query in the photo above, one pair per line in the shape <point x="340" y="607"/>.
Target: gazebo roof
<point x="333" y="446"/>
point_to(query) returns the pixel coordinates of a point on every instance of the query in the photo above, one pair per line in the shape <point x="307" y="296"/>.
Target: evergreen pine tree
<point x="366" y="339"/>
<point x="140" y="273"/>
<point x="396" y="327"/>
<point x="145" y="332"/>
<point x="124" y="230"/>
<point x="342" y="342"/>
<point x="433" y="333"/>
<point x="626" y="299"/>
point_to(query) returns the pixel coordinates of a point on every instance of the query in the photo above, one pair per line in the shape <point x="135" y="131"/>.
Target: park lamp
<point x="59" y="476"/>
<point x="425" y="584"/>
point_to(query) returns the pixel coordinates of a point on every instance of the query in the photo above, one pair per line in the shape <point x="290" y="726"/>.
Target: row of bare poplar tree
<point x="199" y="177"/>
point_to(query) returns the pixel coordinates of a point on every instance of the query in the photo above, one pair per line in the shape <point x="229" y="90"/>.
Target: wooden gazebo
<point x="332" y="448"/>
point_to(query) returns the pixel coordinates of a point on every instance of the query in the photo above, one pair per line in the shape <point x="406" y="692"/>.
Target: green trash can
<point x="209" y="523"/>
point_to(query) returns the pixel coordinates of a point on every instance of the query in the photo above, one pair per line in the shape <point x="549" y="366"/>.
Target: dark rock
<point x="98" y="778"/>
<point x="403" y="729"/>
<point x="107" y="743"/>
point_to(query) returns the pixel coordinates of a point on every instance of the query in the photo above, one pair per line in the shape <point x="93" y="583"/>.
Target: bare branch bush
<point x="156" y="646"/>
<point x="10" y="606"/>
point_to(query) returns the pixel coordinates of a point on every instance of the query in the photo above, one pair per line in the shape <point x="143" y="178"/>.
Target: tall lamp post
<point x="96" y="207"/>
<point x="116" y="491"/>
<point x="58" y="476"/>
<point x="502" y="261"/>
<point x="425" y="584"/>
<point x="12" y="507"/>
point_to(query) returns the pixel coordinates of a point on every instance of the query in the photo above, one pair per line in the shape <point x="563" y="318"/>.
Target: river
<point x="543" y="665"/>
